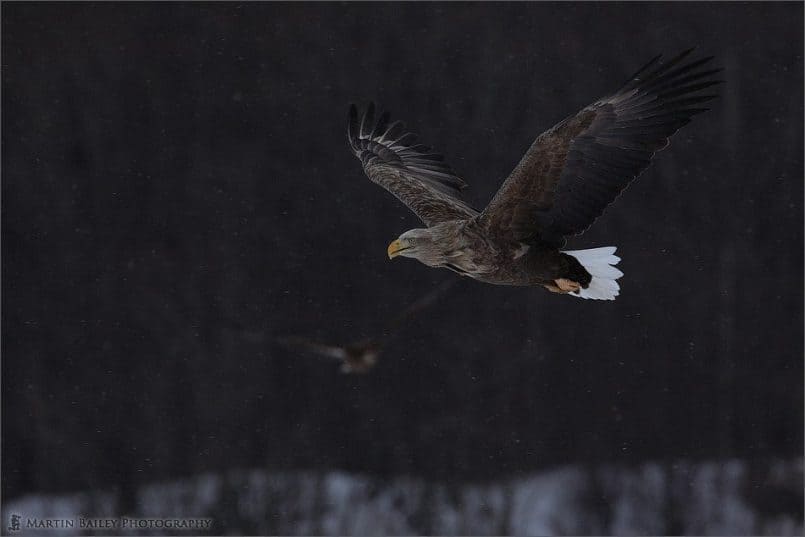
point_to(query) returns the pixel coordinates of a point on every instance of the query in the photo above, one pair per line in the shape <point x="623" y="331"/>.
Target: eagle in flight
<point x="361" y="355"/>
<point x="566" y="179"/>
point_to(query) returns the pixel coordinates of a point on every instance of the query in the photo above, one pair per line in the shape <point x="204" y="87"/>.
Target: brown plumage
<point x="355" y="357"/>
<point x="566" y="179"/>
<point x="360" y="356"/>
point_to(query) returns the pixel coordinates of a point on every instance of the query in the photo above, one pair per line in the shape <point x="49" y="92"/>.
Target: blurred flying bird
<point x="355" y="357"/>
<point x="360" y="356"/>
<point x="571" y="173"/>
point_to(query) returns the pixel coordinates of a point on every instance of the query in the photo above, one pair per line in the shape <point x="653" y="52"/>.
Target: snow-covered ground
<point x="712" y="498"/>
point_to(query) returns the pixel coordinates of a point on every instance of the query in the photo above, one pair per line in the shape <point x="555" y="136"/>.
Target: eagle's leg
<point x="558" y="272"/>
<point x="563" y="285"/>
<point x="567" y="286"/>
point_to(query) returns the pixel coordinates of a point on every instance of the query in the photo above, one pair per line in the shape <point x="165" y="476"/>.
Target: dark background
<point x="177" y="190"/>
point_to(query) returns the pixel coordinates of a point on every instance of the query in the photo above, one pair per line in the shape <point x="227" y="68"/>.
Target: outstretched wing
<point x="575" y="170"/>
<point x="415" y="175"/>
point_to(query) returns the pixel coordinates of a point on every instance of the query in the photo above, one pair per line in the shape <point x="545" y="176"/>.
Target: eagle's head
<point x="424" y="245"/>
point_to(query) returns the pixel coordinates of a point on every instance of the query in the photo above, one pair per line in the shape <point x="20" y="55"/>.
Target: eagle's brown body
<point x="470" y="250"/>
<point x="566" y="179"/>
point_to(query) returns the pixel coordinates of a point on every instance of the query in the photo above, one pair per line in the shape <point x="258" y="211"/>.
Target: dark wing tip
<point x="352" y="126"/>
<point x="367" y="120"/>
<point x="380" y="125"/>
<point x="656" y="71"/>
<point x="379" y="141"/>
<point x="634" y="123"/>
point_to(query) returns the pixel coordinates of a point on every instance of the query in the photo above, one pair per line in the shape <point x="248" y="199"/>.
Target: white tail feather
<point x="600" y="263"/>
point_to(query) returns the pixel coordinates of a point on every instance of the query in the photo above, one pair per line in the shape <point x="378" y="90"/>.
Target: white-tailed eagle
<point x="570" y="174"/>
<point x="360" y="356"/>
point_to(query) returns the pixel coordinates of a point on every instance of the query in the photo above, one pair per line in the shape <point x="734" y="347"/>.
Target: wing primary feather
<point x="687" y="79"/>
<point x="654" y="119"/>
<point x="692" y="88"/>
<point x="380" y="126"/>
<point x="654" y="104"/>
<point x="411" y="171"/>
<point x="368" y="118"/>
<point x="352" y="126"/>
<point x="417" y="149"/>
<point x="680" y="103"/>
<point x="672" y="75"/>
<point x="654" y="93"/>
<point x="392" y="131"/>
<point x="640" y="71"/>
<point x="665" y="66"/>
<point x="427" y="165"/>
<point x="434" y="157"/>
<point x="406" y="139"/>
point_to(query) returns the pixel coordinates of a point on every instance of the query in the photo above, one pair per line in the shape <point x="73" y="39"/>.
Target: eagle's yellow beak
<point x="394" y="249"/>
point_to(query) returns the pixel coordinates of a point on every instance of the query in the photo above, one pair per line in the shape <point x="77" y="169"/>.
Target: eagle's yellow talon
<point x="567" y="286"/>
